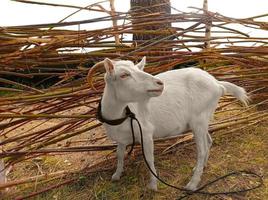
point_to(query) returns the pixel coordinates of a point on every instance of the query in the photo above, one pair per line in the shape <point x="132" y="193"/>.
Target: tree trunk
<point x="145" y="7"/>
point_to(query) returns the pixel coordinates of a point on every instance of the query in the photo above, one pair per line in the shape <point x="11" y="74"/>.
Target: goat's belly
<point x="166" y="131"/>
<point x="169" y="122"/>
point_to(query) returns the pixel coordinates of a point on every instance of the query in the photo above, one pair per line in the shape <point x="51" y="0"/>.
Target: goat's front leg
<point x="148" y="145"/>
<point x="120" y="161"/>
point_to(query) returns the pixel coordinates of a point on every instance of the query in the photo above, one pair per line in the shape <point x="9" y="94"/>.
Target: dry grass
<point x="243" y="150"/>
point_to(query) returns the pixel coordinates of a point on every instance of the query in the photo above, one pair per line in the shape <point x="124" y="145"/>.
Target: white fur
<point x="188" y="101"/>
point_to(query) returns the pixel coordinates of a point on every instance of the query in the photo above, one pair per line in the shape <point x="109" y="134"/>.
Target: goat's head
<point x="128" y="81"/>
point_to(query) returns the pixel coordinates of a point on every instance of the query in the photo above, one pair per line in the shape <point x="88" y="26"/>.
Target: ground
<point x="245" y="150"/>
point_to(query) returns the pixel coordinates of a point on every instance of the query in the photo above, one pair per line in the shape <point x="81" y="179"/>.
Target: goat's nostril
<point x="159" y="83"/>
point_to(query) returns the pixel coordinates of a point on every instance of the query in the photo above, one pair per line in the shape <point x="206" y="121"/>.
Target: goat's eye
<point x="124" y="75"/>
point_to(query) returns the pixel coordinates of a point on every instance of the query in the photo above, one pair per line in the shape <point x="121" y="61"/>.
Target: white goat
<point x="185" y="100"/>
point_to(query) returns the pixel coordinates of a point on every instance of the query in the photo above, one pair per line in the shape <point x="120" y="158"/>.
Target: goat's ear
<point x="109" y="66"/>
<point x="142" y="63"/>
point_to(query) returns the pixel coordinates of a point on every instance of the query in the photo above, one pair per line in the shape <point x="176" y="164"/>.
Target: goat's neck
<point x="142" y="109"/>
<point x="111" y="107"/>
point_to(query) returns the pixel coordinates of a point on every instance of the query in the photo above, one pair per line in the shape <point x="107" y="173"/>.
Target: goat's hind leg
<point x="120" y="161"/>
<point x="209" y="144"/>
<point x="200" y="134"/>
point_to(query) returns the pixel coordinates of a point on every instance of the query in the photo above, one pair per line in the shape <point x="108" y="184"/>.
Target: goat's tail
<point x="238" y="92"/>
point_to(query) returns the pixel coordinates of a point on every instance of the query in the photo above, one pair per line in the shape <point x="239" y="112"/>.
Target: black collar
<point x="114" y="122"/>
<point x="119" y="121"/>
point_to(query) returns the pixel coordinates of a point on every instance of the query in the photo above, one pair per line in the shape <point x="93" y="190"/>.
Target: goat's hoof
<point x="116" y="177"/>
<point x="153" y="186"/>
<point x="191" y="186"/>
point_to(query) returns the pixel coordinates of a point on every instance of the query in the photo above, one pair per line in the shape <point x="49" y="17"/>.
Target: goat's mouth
<point x="155" y="92"/>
